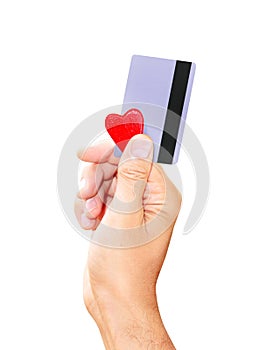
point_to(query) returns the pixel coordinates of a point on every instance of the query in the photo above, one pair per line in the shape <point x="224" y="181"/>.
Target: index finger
<point x="99" y="153"/>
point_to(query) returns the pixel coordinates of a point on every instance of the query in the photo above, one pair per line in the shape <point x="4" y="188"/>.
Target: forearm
<point x="127" y="325"/>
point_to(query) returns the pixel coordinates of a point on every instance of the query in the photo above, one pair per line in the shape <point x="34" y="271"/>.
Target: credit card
<point x="160" y="89"/>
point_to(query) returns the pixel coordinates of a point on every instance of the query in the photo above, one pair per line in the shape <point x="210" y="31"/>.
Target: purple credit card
<point x="161" y="89"/>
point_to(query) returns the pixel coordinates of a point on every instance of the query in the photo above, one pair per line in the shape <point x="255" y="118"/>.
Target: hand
<point x="120" y="284"/>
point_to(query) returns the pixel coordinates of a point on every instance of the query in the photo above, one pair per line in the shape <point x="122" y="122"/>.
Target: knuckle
<point x="134" y="170"/>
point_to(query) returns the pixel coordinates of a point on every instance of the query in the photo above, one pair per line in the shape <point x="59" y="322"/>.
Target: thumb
<point x="133" y="171"/>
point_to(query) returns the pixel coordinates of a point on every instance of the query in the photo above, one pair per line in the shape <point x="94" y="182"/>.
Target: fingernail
<point x="91" y="204"/>
<point x="141" y="148"/>
<point x="87" y="223"/>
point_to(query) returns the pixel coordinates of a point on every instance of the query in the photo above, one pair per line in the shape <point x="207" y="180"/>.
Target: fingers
<point x="89" y="207"/>
<point x="99" y="181"/>
<point x="92" y="178"/>
<point x="99" y="153"/>
<point x="88" y="212"/>
<point x="93" y="207"/>
<point x="134" y="168"/>
<point x="80" y="213"/>
<point x="126" y="208"/>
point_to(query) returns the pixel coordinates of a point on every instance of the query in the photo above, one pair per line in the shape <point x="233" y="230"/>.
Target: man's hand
<point x="120" y="284"/>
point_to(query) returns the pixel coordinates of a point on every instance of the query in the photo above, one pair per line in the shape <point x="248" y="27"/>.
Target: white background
<point x="64" y="60"/>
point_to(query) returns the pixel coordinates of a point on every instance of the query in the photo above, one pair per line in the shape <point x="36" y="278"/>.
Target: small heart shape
<point x="123" y="127"/>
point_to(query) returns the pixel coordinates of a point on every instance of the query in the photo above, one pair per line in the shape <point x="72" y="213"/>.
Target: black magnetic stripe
<point x="175" y="105"/>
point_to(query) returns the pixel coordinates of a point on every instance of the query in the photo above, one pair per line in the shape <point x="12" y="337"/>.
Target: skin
<point x="120" y="284"/>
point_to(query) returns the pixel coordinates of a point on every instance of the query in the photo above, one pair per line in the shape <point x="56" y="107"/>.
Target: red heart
<point x="123" y="127"/>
